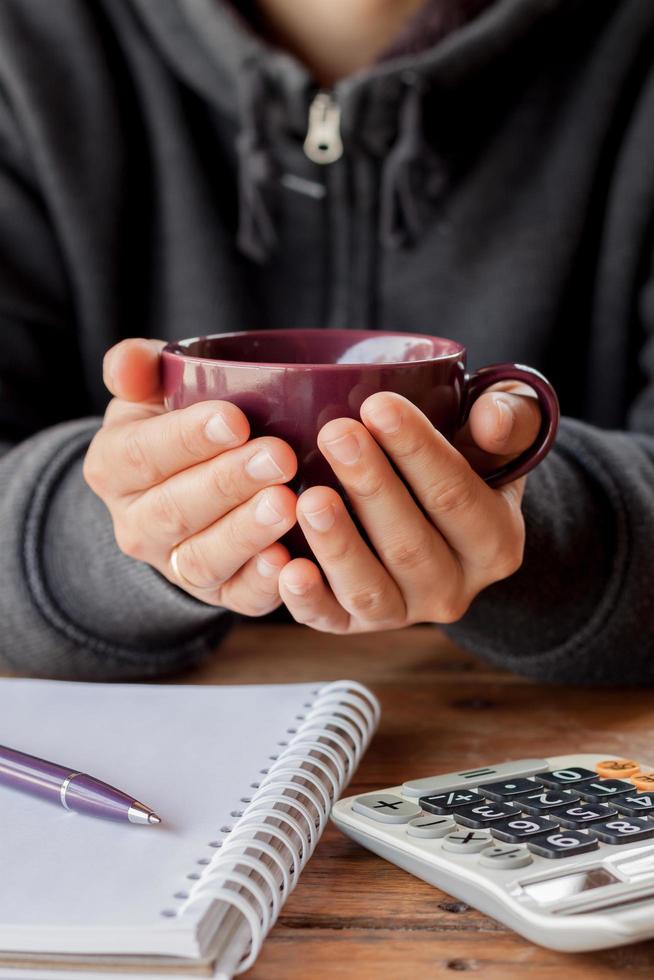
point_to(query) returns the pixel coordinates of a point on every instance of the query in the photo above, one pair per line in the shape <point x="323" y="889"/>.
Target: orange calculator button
<point x="617" y="768"/>
<point x="643" y="781"/>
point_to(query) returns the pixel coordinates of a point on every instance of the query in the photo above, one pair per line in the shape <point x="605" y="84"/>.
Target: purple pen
<point x="70" y="789"/>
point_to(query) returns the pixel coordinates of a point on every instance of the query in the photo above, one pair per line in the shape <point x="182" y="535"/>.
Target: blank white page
<point x="77" y="884"/>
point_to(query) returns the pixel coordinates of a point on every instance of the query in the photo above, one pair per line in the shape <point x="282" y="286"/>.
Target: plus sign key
<point x="386" y="808"/>
<point x="466" y="841"/>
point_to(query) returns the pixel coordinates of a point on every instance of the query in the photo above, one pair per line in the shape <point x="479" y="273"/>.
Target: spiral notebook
<point x="243" y="777"/>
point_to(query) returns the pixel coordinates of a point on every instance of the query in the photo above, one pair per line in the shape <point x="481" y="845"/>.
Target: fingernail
<point x="217" y="430"/>
<point x="504" y="416"/>
<point x="298" y="588"/>
<point x="345" y="449"/>
<point x="265" y="568"/>
<point x="265" y="513"/>
<point x="321" y="520"/>
<point x="387" y="418"/>
<point x="262" y="466"/>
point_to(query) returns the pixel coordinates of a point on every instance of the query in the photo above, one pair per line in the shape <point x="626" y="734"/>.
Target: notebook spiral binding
<point x="261" y="859"/>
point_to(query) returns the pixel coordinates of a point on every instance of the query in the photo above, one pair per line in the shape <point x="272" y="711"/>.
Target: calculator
<point x="561" y="849"/>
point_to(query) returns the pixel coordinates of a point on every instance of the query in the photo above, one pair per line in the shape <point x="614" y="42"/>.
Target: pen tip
<point x="139" y="813"/>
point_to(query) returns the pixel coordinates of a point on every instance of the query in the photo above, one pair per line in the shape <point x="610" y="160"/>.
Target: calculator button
<point x="483" y="814"/>
<point x="644" y="781"/>
<point x="586" y="813"/>
<point x="466" y="841"/>
<point x="517" y="828"/>
<point x="430" y="826"/>
<point x="449" y="802"/>
<point x="564" y="777"/>
<point x="472" y="777"/>
<point x="547" y="799"/>
<point x="636" y="803"/>
<point x="386" y="808"/>
<point x="617" y="768"/>
<point x="601" y="789"/>
<point x="503" y="857"/>
<point x="624" y="829"/>
<point x="509" y="789"/>
<point x="564" y="843"/>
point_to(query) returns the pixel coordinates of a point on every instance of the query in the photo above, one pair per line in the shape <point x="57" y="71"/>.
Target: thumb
<point x="503" y="423"/>
<point x="131" y="369"/>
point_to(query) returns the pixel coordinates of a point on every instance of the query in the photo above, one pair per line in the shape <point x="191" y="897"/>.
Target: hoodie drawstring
<point x="401" y="218"/>
<point x="256" y="236"/>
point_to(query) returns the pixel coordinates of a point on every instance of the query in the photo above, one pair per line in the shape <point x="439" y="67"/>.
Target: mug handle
<point x="476" y="384"/>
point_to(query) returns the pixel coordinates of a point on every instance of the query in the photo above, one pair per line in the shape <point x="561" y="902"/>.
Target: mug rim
<point x="176" y="349"/>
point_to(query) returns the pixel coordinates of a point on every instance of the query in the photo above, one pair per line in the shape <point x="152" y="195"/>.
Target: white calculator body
<point x="559" y="849"/>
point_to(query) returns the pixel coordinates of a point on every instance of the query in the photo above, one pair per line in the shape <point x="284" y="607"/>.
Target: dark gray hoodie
<point x="497" y="187"/>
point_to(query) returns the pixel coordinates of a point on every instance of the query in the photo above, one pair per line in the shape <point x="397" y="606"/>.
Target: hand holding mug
<point x="439" y="533"/>
<point x="429" y="561"/>
<point x="189" y="492"/>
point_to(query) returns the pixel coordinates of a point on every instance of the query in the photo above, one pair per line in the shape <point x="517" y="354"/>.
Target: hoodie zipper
<point x="323" y="142"/>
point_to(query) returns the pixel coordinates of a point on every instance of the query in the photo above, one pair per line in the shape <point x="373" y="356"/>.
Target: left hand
<point x="430" y="563"/>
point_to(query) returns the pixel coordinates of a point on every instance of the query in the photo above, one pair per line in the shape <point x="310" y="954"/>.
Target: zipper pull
<point x="323" y="142"/>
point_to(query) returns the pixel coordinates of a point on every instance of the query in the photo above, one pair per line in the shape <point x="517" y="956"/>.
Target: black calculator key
<point x="636" y="803"/>
<point x="564" y="843"/>
<point x="622" y="830"/>
<point x="516" y="829"/>
<point x="565" y="777"/>
<point x="586" y="813"/>
<point x="601" y="789"/>
<point x="509" y="789"/>
<point x="548" y="798"/>
<point x="455" y="799"/>
<point x="483" y="814"/>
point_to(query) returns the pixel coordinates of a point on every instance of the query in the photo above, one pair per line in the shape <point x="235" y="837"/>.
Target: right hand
<point x="193" y="481"/>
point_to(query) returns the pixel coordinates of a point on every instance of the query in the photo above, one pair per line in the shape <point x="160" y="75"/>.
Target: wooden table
<point x="354" y="915"/>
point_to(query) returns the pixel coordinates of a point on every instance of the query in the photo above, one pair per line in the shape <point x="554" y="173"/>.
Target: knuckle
<point x="503" y="555"/>
<point x="340" y="550"/>
<point x="241" y="539"/>
<point x="224" y="481"/>
<point x="368" y="603"/>
<point x="451" y="494"/>
<point x="93" y="471"/>
<point x="509" y="562"/>
<point x="189" y="435"/>
<point x="412" y="445"/>
<point x="166" y="514"/>
<point x="369" y="487"/>
<point x="137" y="457"/>
<point x="129" y="540"/>
<point x="451" y="610"/>
<point x="408" y="555"/>
<point x="194" y="565"/>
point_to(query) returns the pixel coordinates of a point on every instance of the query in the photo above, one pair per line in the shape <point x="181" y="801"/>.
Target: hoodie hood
<point x="383" y="110"/>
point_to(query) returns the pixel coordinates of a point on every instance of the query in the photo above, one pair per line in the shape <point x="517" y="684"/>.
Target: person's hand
<point x="188" y="492"/>
<point x="431" y="560"/>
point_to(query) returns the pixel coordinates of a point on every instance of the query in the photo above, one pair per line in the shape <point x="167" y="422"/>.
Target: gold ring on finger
<point x="181" y="579"/>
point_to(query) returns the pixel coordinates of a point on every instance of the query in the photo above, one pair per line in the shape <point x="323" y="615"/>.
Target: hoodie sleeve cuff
<point x="120" y="610"/>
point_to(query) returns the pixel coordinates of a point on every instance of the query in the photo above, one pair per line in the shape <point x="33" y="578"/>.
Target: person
<point x="480" y="169"/>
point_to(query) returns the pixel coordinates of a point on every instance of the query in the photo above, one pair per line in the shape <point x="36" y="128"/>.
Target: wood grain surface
<point x="355" y="915"/>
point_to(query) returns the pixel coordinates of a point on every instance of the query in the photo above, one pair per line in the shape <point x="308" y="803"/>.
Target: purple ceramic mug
<point x="289" y="383"/>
